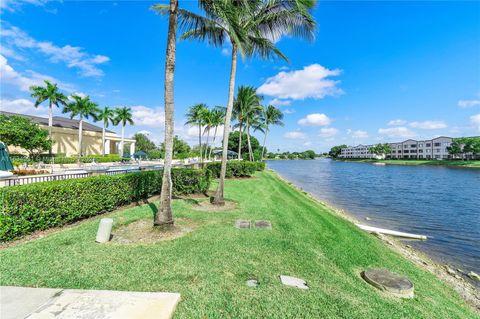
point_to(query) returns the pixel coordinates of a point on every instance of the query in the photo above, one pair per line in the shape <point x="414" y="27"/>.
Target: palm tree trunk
<point x="206" y="145"/>
<point x="103" y="140"/>
<point x="80" y="133"/>
<point x="200" y="141"/>
<point x="250" y="155"/>
<point x="164" y="215"/>
<point x="264" y="142"/>
<point x="219" y="198"/>
<point x="213" y="143"/>
<point x="50" y="124"/>
<point x="122" y="142"/>
<point x="240" y="141"/>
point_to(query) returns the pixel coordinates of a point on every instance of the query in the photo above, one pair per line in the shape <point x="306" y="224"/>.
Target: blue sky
<point x="376" y="72"/>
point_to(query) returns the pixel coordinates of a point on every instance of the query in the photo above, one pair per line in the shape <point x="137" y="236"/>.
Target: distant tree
<point x="380" y="149"/>
<point x="455" y="148"/>
<point x="51" y="93"/>
<point x="22" y="132"/>
<point x="234" y="140"/>
<point x="123" y="115"/>
<point x="143" y="143"/>
<point x="84" y="108"/>
<point x="107" y="116"/>
<point x="309" y="154"/>
<point x="465" y="146"/>
<point x="336" y="150"/>
<point x="181" y="149"/>
<point x="196" y="116"/>
<point x="218" y="117"/>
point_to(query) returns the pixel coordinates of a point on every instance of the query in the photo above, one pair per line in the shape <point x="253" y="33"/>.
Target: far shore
<point x="413" y="162"/>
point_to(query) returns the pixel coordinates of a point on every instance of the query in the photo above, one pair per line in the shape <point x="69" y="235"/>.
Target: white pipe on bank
<point x="371" y="229"/>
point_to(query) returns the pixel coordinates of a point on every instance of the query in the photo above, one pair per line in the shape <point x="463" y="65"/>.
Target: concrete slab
<point x="390" y="282"/>
<point x="100" y="304"/>
<point x="263" y="224"/>
<point x="242" y="224"/>
<point x="293" y="282"/>
<point x="19" y="302"/>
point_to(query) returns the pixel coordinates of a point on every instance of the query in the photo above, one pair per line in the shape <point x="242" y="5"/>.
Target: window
<point x="428" y="145"/>
<point x="428" y="151"/>
<point x="437" y="150"/>
<point x="420" y="145"/>
<point x="420" y="151"/>
<point x="405" y="151"/>
<point x="437" y="144"/>
<point x="413" y="145"/>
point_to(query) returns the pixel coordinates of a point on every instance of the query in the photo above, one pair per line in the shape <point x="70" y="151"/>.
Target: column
<point x="132" y="149"/>
<point x="107" y="146"/>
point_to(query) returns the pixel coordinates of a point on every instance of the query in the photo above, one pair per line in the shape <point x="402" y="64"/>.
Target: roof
<point x="59" y="121"/>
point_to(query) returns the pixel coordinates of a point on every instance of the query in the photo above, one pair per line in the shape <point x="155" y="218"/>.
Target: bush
<point x="39" y="206"/>
<point x="236" y="168"/>
<point x="85" y="159"/>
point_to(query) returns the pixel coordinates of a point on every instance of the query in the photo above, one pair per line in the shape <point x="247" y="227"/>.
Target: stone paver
<point x="252" y="283"/>
<point x="294" y="282"/>
<point x="263" y="224"/>
<point x="390" y="282"/>
<point x="242" y="224"/>
<point x="99" y="304"/>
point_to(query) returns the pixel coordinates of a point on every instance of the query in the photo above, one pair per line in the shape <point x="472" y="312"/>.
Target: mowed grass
<point x="210" y="265"/>
<point x="413" y="162"/>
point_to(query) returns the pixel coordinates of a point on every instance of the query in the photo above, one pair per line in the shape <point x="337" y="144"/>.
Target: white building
<point x="410" y="149"/>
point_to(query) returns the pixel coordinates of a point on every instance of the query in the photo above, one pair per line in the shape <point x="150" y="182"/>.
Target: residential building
<point x="410" y="149"/>
<point x="65" y="136"/>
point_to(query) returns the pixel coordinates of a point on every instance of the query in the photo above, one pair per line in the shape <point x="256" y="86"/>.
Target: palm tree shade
<point x="107" y="116"/>
<point x="251" y="27"/>
<point x="51" y="93"/>
<point x="84" y="108"/>
<point x="271" y="116"/>
<point x="123" y="115"/>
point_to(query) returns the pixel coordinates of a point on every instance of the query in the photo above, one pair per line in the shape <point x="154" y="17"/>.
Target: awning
<point x="5" y="162"/>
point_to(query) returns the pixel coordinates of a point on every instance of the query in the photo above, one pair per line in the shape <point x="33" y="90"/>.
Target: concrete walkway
<point x="43" y="303"/>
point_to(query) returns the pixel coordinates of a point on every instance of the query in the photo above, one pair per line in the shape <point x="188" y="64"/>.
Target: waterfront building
<point x="65" y="136"/>
<point x="410" y="149"/>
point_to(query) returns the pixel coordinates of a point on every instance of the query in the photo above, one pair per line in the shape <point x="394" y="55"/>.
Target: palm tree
<point x="208" y="121"/>
<point x="84" y="108"/>
<point x="250" y="27"/>
<point x="164" y="215"/>
<point x="218" y="117"/>
<point x="107" y="116"/>
<point x="124" y="116"/>
<point x="271" y="116"/>
<point x="196" y="116"/>
<point x="51" y="93"/>
<point x="246" y="109"/>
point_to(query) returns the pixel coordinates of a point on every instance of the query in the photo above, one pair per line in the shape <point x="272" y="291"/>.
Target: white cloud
<point x="307" y="143"/>
<point x="311" y="82"/>
<point x="146" y="116"/>
<point x="358" y="134"/>
<point x="397" y="122"/>
<point x="10" y="76"/>
<point x="429" y="125"/>
<point x="315" y="119"/>
<point x="468" y="103"/>
<point x="23" y="106"/>
<point x="71" y="56"/>
<point x="279" y="102"/>
<point x="13" y="5"/>
<point x="288" y="111"/>
<point x="475" y="120"/>
<point x="399" y="131"/>
<point x="226" y="52"/>
<point x="295" y="135"/>
<point x="328" y="132"/>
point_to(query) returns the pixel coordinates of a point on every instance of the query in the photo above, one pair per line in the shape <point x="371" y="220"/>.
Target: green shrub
<point x="85" y="159"/>
<point x="39" y="206"/>
<point x="236" y="168"/>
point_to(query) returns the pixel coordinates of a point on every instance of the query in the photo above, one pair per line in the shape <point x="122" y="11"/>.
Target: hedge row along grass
<point x="27" y="208"/>
<point x="236" y="168"/>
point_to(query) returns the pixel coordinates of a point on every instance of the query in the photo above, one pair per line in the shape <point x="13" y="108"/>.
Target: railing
<point x="118" y="172"/>
<point x="36" y="179"/>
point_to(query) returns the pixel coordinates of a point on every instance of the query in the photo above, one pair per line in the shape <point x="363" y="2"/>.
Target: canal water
<point x="440" y="202"/>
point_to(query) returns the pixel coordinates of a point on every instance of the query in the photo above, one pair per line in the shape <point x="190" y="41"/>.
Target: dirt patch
<point x="143" y="232"/>
<point x="206" y="206"/>
<point x="196" y="196"/>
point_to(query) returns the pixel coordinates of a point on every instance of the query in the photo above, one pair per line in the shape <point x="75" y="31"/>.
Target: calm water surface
<point x="440" y="202"/>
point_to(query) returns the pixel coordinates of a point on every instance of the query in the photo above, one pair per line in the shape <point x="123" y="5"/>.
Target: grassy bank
<point x="209" y="266"/>
<point x="470" y="164"/>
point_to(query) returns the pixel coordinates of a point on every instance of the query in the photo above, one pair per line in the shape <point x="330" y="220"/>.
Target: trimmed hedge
<point x="236" y="168"/>
<point x="27" y="208"/>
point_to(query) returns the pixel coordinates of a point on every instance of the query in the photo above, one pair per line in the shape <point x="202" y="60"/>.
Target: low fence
<point x="36" y="179"/>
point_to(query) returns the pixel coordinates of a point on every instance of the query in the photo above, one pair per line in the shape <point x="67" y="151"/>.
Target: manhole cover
<point x="390" y="282"/>
<point x="263" y="224"/>
<point x="242" y="224"/>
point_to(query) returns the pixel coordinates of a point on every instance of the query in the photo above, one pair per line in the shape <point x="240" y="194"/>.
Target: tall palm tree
<point x="51" y="93"/>
<point x="84" y="108"/>
<point x="208" y="122"/>
<point x="123" y="115"/>
<point x="246" y="108"/>
<point x="271" y="116"/>
<point x="251" y="27"/>
<point x="196" y="116"/>
<point x="107" y="116"/>
<point x="218" y="117"/>
<point x="164" y="215"/>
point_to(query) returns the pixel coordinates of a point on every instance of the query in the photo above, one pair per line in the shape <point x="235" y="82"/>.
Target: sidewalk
<point x="40" y="303"/>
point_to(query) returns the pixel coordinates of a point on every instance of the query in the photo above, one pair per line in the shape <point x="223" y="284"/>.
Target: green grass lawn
<point x="457" y="163"/>
<point x="210" y="265"/>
